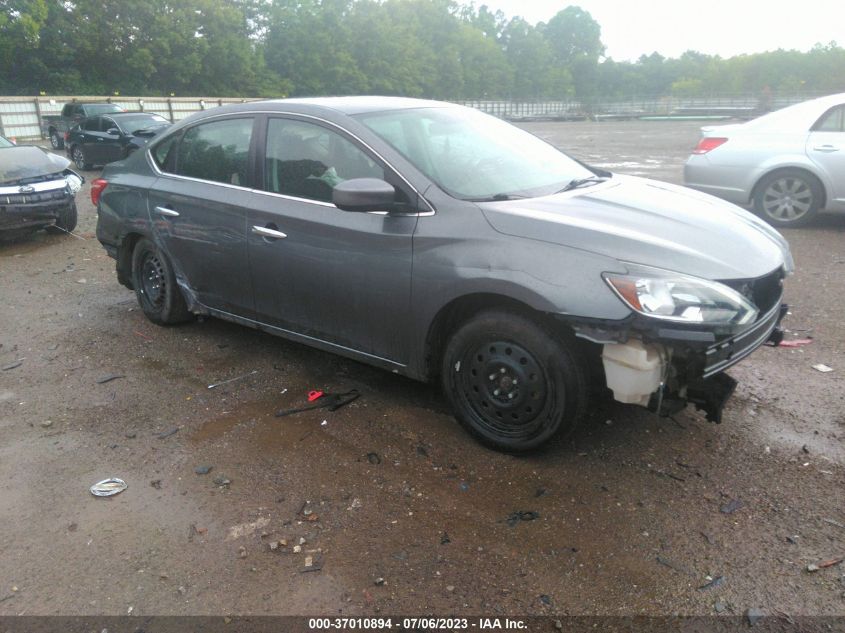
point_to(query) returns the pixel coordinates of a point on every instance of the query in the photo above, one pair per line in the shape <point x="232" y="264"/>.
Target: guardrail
<point x="20" y="117"/>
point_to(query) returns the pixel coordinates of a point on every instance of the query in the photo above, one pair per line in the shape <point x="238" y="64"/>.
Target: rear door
<point x="92" y="139"/>
<point x="826" y="148"/>
<point x="199" y="207"/>
<point x="318" y="271"/>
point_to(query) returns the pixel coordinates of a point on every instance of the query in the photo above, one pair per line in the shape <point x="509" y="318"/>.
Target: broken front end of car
<point x="683" y="333"/>
<point x="37" y="190"/>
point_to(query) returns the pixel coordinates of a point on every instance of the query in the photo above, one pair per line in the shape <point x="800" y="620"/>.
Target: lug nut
<point x="502" y="370"/>
<point x="492" y="376"/>
<point x="496" y="392"/>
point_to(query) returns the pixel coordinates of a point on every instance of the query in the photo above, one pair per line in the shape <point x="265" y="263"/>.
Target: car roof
<point x="360" y="105"/>
<point x="799" y="114"/>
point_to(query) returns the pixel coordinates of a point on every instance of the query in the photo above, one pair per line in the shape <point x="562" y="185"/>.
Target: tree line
<point x="421" y="48"/>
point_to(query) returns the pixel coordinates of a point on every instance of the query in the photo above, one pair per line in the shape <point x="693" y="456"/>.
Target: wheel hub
<point x="153" y="280"/>
<point x="787" y="199"/>
<point x="505" y="385"/>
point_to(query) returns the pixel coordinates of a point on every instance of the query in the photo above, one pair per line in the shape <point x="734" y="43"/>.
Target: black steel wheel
<point x="155" y="285"/>
<point x="78" y="156"/>
<point x="512" y="383"/>
<point x="56" y="140"/>
<point x="789" y="197"/>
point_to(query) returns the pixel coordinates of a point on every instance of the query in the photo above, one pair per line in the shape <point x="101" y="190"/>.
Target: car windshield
<point x="4" y="142"/>
<point x="474" y="156"/>
<point x="130" y="124"/>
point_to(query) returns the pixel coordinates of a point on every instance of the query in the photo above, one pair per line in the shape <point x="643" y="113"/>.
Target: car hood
<point x="650" y="223"/>
<point x="24" y="162"/>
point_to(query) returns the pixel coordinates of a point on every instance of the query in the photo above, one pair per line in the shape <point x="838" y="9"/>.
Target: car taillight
<point x="98" y="185"/>
<point x="67" y="136"/>
<point x="708" y="143"/>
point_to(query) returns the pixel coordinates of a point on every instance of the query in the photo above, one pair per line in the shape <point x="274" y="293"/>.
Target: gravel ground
<point x="635" y="515"/>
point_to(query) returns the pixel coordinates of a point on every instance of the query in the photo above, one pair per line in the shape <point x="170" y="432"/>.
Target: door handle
<point x="826" y="148"/>
<point x="266" y="232"/>
<point x="168" y="212"/>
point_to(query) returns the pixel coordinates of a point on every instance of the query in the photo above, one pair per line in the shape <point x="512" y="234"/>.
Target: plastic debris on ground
<point x="796" y="342"/>
<point x="323" y="400"/>
<point x="822" y="368"/>
<point x="226" y="382"/>
<point x="824" y="564"/>
<point x="718" y="581"/>
<point x="108" y="487"/>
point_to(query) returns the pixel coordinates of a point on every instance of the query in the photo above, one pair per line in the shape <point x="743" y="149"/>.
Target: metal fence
<point x="20" y="117"/>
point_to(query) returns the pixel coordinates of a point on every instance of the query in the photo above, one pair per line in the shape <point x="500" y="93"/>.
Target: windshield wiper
<point x="580" y="182"/>
<point x="499" y="197"/>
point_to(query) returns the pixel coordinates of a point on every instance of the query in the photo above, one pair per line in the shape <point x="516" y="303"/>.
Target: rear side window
<point x="831" y="121"/>
<point x="164" y="154"/>
<point x="91" y="125"/>
<point x="216" y="151"/>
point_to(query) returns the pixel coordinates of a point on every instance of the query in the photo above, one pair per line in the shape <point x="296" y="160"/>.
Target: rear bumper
<point x="727" y="182"/>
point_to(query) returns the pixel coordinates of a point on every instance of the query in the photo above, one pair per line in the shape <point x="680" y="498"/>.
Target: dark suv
<point x="435" y="241"/>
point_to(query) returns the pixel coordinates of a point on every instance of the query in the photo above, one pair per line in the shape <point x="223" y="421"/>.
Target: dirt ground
<point x="636" y="514"/>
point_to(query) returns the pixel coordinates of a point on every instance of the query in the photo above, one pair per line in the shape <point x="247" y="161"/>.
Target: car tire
<point x="66" y="221"/>
<point x="77" y="154"/>
<point x="513" y="384"/>
<point x="56" y="140"/>
<point x="788" y="198"/>
<point x="155" y="285"/>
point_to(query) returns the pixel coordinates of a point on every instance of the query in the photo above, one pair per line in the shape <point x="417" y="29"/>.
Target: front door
<point x="826" y="148"/>
<point x="198" y="207"/>
<point x="318" y="271"/>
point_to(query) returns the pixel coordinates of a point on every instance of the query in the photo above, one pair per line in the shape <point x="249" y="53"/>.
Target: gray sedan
<point x="788" y="164"/>
<point x="440" y="243"/>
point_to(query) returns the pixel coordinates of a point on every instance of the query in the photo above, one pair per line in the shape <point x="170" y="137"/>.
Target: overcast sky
<point x="630" y="28"/>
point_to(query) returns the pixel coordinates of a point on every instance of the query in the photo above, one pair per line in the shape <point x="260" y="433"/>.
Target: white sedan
<point x="788" y="164"/>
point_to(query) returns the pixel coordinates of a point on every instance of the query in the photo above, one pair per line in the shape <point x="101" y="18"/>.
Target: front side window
<point x="307" y="160"/>
<point x="216" y="151"/>
<point x="474" y="156"/>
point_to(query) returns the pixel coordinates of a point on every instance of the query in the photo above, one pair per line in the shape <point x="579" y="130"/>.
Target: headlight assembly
<point x="681" y="298"/>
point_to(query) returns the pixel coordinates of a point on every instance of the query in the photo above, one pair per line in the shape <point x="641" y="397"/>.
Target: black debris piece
<point x="522" y="515"/>
<point x="109" y="378"/>
<point x="166" y="434"/>
<point x="203" y="470"/>
<point x="731" y="506"/>
<point x="330" y="401"/>
<point x="444" y="538"/>
<point x="373" y="458"/>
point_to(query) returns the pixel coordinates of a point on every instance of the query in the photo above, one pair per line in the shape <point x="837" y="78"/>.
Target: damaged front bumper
<point x="664" y="369"/>
<point x="26" y="205"/>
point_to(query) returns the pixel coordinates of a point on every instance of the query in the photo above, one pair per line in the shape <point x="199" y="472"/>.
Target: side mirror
<point x="364" y="194"/>
<point x="113" y="131"/>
